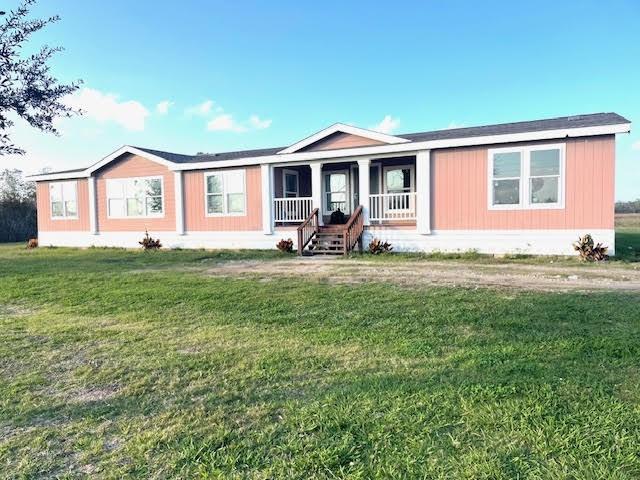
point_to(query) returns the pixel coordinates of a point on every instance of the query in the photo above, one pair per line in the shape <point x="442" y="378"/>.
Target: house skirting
<point x="538" y="242"/>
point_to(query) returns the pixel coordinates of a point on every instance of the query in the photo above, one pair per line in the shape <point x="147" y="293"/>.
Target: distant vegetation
<point x="628" y="207"/>
<point x="17" y="207"/>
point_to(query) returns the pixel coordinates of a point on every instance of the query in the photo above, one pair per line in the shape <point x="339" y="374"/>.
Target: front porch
<point x="386" y="189"/>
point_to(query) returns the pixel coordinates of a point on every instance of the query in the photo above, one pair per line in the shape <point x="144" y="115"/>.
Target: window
<point x="290" y="183"/>
<point x="506" y="178"/>
<point x="225" y="193"/>
<point x="63" y="198"/>
<point x="135" y="197"/>
<point x="526" y="177"/>
<point x="398" y="181"/>
<point x="335" y="191"/>
<point x="544" y="176"/>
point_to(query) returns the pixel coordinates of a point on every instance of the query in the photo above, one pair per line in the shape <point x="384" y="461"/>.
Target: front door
<point x="336" y="192"/>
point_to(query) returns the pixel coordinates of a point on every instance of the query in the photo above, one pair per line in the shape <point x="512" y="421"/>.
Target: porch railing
<point x="292" y="209"/>
<point x="352" y="233"/>
<point x="392" y="206"/>
<point x="307" y="230"/>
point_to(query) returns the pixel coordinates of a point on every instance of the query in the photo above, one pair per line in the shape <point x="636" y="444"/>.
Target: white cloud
<point x="636" y="145"/>
<point x="203" y="109"/>
<point x="224" y="123"/>
<point x="163" y="107"/>
<point x="256" y="122"/>
<point x="454" y="124"/>
<point x="106" y="107"/>
<point x="387" y="125"/>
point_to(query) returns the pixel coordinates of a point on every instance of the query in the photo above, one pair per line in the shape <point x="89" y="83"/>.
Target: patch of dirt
<point x="547" y="277"/>
<point x="14" y="311"/>
<point x="94" y="394"/>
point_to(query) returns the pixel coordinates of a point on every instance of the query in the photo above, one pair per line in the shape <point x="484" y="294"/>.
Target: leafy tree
<point x="27" y="89"/>
<point x="17" y="207"/>
<point x="628" y="207"/>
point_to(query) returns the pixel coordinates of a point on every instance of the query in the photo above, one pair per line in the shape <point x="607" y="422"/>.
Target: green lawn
<point x="120" y="364"/>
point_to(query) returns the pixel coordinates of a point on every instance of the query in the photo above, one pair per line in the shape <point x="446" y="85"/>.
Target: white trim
<point x="225" y="213"/>
<point x="316" y="188"/>
<point x="266" y="185"/>
<point x="169" y="239"/>
<point x="386" y="168"/>
<point x="179" y="200"/>
<point x="407" y="148"/>
<point x="132" y="150"/>
<point x="347" y="186"/>
<point x="125" y="216"/>
<point x="341" y="127"/>
<point x="410" y="148"/>
<point x="295" y="173"/>
<point x="64" y="216"/>
<point x="536" y="242"/>
<point x="93" y="205"/>
<point x="497" y="242"/>
<point x="423" y="187"/>
<point x="105" y="160"/>
<point x="525" y="176"/>
<point x="44" y="177"/>
<point x="364" y="179"/>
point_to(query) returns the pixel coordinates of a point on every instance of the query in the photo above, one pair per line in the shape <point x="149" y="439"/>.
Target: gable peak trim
<point x="343" y="128"/>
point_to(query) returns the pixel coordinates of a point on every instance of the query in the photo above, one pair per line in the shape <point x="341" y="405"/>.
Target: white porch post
<point x="179" y="201"/>
<point x="93" y="217"/>
<point x="363" y="187"/>
<point x="423" y="187"/>
<point x="316" y="188"/>
<point x="266" y="175"/>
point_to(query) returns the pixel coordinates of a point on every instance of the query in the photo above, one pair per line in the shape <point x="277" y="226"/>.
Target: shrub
<point x="149" y="243"/>
<point x="32" y="243"/>
<point x="590" y="251"/>
<point x="377" y="247"/>
<point x="285" y="246"/>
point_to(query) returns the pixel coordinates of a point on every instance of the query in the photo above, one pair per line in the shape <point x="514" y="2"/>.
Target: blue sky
<point x="239" y="75"/>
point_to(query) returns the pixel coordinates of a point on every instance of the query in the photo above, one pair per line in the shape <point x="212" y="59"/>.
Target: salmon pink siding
<point x="47" y="224"/>
<point x="135" y="166"/>
<point x="459" y="186"/>
<point x="195" y="216"/>
<point x="341" y="140"/>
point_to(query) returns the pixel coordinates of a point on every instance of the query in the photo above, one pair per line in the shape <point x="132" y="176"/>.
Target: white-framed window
<point x="225" y="193"/>
<point x="135" y="197"/>
<point x="63" y="199"/>
<point x="290" y="184"/>
<point x="398" y="180"/>
<point x="336" y="191"/>
<point x="528" y="177"/>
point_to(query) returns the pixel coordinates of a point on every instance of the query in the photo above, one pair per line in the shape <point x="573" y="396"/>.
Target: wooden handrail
<point x="307" y="230"/>
<point x="353" y="230"/>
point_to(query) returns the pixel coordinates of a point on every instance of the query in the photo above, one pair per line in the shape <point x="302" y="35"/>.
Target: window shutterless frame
<point x="285" y="192"/>
<point x="326" y="193"/>
<point x="525" y="177"/>
<point x="124" y="198"/>
<point x="403" y="203"/>
<point x="64" y="215"/>
<point x="225" y="206"/>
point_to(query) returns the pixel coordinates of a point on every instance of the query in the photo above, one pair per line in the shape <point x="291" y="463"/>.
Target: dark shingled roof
<point x="575" y="121"/>
<point x="208" y="157"/>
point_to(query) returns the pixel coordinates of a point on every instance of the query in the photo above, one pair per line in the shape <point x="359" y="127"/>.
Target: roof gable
<point x="127" y="149"/>
<point x="327" y="136"/>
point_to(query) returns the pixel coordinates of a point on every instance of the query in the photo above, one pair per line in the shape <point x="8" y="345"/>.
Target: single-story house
<point x="525" y="187"/>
